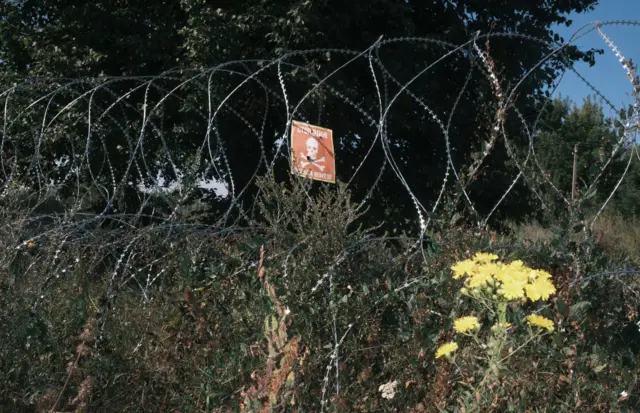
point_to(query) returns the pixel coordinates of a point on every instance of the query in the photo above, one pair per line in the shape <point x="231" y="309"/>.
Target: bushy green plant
<point x="249" y="318"/>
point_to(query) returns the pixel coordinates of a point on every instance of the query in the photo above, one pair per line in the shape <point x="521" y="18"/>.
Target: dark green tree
<point x="627" y="199"/>
<point x="566" y="127"/>
<point x="72" y="39"/>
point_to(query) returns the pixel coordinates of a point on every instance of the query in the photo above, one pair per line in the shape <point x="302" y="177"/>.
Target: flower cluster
<point x="498" y="283"/>
<point x="503" y="282"/>
<point x="465" y="324"/>
<point x="540" y="321"/>
<point x="446" y="349"/>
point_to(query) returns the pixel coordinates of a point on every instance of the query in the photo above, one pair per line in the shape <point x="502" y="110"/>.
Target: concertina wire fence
<point x="81" y="113"/>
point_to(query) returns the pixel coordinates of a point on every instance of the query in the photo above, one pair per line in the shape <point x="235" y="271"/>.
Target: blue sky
<point x="607" y="75"/>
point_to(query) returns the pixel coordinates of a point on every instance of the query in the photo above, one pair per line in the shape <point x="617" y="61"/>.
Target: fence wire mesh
<point x="110" y="173"/>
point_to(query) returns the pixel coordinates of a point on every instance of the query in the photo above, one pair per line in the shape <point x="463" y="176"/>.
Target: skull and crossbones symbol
<point x="311" y="155"/>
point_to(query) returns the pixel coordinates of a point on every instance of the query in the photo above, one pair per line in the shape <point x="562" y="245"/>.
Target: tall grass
<point x="305" y="310"/>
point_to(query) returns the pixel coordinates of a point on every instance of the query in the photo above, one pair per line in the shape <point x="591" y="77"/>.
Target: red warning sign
<point x="312" y="152"/>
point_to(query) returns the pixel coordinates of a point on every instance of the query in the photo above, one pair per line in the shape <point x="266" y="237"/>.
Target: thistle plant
<point x="496" y="286"/>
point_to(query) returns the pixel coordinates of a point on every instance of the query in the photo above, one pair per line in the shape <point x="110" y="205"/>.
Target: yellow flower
<point x="446" y="349"/>
<point x="483" y="257"/>
<point x="479" y="279"/>
<point x="516" y="265"/>
<point x="464" y="324"/>
<point x="462" y="268"/>
<point x="512" y="281"/>
<point x="512" y="289"/>
<point x="541" y="274"/>
<point x="514" y="269"/>
<point x="541" y="288"/>
<point x="540" y="321"/>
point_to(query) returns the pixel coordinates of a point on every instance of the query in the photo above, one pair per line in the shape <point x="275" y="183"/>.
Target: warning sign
<point x="312" y="152"/>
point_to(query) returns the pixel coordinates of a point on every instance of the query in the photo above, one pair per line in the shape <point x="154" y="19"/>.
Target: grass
<point x="619" y="235"/>
<point x="249" y="320"/>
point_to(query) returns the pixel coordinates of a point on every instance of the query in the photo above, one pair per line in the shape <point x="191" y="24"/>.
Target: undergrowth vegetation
<point x="304" y="308"/>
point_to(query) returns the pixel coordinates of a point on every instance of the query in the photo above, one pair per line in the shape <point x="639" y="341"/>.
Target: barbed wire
<point x="75" y="153"/>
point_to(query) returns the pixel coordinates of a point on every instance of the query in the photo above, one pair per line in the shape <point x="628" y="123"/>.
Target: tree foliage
<point x="602" y="153"/>
<point x="47" y="38"/>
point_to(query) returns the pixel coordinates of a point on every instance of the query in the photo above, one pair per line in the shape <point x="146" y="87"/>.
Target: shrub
<point x="301" y="309"/>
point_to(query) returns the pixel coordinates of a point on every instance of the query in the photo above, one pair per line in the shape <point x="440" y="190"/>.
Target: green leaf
<point x="562" y="308"/>
<point x="270" y="324"/>
<point x="579" y="311"/>
<point x="568" y="351"/>
<point x="558" y="340"/>
<point x="291" y="378"/>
